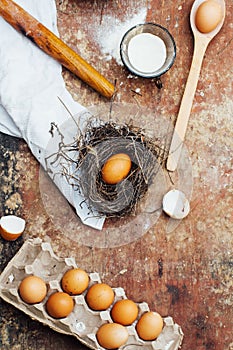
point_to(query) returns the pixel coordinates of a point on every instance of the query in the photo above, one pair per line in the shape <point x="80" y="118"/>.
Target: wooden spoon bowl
<point x="206" y="37"/>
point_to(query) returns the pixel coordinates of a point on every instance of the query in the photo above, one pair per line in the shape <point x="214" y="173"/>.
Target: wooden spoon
<point x="201" y="41"/>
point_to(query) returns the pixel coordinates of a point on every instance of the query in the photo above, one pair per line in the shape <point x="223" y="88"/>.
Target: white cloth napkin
<point x="30" y="84"/>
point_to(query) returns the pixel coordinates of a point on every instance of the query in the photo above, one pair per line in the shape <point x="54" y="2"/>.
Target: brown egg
<point x="124" y="312"/>
<point x="149" y="326"/>
<point x="59" y="305"/>
<point x="32" y="289"/>
<point x="112" y="335"/>
<point x="100" y="296"/>
<point x="75" y="281"/>
<point x="116" y="168"/>
<point x="208" y="16"/>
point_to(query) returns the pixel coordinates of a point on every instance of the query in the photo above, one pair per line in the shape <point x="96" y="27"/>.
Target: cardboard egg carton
<point x="37" y="258"/>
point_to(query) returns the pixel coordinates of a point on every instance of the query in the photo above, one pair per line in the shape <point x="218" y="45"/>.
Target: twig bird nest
<point x="100" y="143"/>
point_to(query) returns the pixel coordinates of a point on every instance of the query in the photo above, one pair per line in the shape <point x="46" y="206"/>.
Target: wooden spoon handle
<point x="186" y="105"/>
<point x="23" y="22"/>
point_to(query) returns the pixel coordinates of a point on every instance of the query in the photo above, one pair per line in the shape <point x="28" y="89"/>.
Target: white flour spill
<point x="109" y="34"/>
<point x="147" y="52"/>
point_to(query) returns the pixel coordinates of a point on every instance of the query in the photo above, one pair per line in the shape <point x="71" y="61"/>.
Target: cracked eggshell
<point x="11" y="227"/>
<point x="175" y="204"/>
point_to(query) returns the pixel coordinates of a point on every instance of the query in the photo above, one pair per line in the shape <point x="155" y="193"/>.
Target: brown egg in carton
<point x="37" y="258"/>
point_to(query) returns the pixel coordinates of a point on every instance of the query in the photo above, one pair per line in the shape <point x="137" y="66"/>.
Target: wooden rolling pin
<point x="23" y="22"/>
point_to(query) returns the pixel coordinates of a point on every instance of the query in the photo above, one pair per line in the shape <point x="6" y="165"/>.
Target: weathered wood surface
<point x="185" y="273"/>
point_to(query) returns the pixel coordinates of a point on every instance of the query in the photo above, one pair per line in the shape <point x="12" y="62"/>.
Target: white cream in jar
<point x="147" y="52"/>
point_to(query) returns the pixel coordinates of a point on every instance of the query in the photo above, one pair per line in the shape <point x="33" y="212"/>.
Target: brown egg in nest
<point x="117" y="199"/>
<point x="116" y="168"/>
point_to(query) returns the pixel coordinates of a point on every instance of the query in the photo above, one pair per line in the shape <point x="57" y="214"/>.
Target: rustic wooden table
<point x="185" y="272"/>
